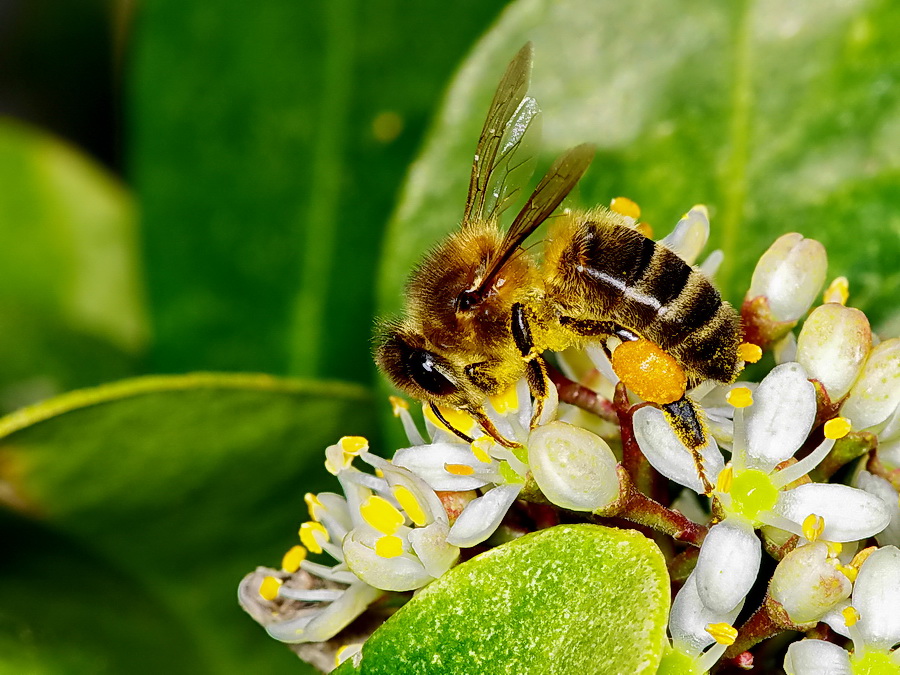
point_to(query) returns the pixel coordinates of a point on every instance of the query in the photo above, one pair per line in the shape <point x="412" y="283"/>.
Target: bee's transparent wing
<point x="500" y="130"/>
<point x="558" y="182"/>
<point x="515" y="160"/>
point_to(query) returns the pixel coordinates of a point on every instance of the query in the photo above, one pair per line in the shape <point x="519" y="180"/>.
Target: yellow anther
<point x="749" y="352"/>
<point x="626" y="207"/>
<point x="379" y="473"/>
<point x="813" y="526"/>
<point x="313" y="505"/>
<point x="268" y="589"/>
<point x="410" y="504"/>
<point x="459" y="469"/>
<point x="342" y="654"/>
<point x="838" y="291"/>
<point x="292" y="559"/>
<point x="851" y="616"/>
<point x="645" y="229"/>
<point x="739" y="397"/>
<point x="722" y="633"/>
<point x="506" y="402"/>
<point x="389" y="547"/>
<point x="479" y="449"/>
<point x="725" y="479"/>
<point x="308" y="531"/>
<point x="353" y="445"/>
<point x="457" y="418"/>
<point x="398" y="405"/>
<point x="837" y="428"/>
<point x="649" y="371"/>
<point x="834" y="548"/>
<point x="381" y="514"/>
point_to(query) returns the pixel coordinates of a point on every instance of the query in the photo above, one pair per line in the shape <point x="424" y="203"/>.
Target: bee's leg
<point x="684" y="419"/>
<point x="592" y="328"/>
<point x="535" y="368"/>
<point x="489" y="428"/>
<point x="443" y="420"/>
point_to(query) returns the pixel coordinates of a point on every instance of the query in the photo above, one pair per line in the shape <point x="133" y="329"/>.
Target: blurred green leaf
<point x="780" y="118"/>
<point x="71" y="309"/>
<point x="571" y="599"/>
<point x="65" y="610"/>
<point x="184" y="483"/>
<point x="267" y="144"/>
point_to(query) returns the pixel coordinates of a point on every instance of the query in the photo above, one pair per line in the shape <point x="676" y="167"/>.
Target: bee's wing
<point x="553" y="188"/>
<point x="511" y="118"/>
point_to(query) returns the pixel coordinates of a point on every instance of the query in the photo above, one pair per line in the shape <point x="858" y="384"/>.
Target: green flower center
<point x="874" y="662"/>
<point x="752" y="493"/>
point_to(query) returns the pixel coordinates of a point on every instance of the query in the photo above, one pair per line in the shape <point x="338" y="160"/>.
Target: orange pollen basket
<point x="649" y="371"/>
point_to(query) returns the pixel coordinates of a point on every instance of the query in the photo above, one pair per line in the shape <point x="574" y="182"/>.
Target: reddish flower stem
<point x="580" y="396"/>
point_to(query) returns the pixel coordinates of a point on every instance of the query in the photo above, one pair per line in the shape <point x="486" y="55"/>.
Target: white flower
<point x="750" y="491"/>
<point x="871" y="620"/>
<point x="574" y="468"/>
<point x="694" y="627"/>
<point x="789" y="276"/>
<point x="878" y="486"/>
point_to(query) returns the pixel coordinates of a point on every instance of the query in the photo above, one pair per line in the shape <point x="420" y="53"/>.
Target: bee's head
<point x="416" y="369"/>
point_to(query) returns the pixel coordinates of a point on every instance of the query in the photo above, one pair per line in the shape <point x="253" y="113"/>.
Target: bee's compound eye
<point x="422" y="368"/>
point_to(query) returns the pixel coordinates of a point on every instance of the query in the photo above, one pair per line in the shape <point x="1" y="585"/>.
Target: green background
<point x="242" y="187"/>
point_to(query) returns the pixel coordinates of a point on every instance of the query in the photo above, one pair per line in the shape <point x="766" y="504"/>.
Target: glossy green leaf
<point x="184" y="483"/>
<point x="778" y="117"/>
<point x="71" y="306"/>
<point x="266" y="148"/>
<point x="571" y="599"/>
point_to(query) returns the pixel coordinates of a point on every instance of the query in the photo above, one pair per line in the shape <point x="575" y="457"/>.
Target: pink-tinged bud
<point x="807" y="584"/>
<point x="876" y="394"/>
<point x="789" y="275"/>
<point x="833" y="346"/>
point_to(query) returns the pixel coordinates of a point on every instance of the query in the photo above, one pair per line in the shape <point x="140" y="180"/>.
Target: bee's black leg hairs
<point x="535" y="368"/>
<point x="682" y="416"/>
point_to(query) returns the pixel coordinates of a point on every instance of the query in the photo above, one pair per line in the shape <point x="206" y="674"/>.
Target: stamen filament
<point x="791" y="473"/>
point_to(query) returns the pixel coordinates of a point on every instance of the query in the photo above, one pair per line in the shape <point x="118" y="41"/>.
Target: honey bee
<point x="481" y="311"/>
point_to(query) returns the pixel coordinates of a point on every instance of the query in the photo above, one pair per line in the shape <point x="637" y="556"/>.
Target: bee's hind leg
<point x="687" y="423"/>
<point x="535" y="368"/>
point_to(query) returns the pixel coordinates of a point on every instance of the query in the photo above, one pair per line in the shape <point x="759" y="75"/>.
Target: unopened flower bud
<point x="807" y="585"/>
<point x="833" y="345"/>
<point x="789" y="275"/>
<point x="876" y="394"/>
<point x="574" y="468"/>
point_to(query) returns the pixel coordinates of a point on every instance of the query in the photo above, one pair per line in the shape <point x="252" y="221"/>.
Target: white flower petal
<point x="323" y="624"/>
<point x="876" y="394"/>
<point x="574" y="468"/>
<point x="849" y="514"/>
<point x="876" y="596"/>
<point x="835" y="619"/>
<point x="817" y="657"/>
<point x="431" y="547"/>
<point x="727" y="565"/>
<point x="421" y="491"/>
<point x="482" y="516"/>
<point x="668" y="455"/>
<point x="403" y="573"/>
<point x="427" y="462"/>
<point x="712" y="263"/>
<point x="782" y="414"/>
<point x="689" y="618"/>
<point x="690" y="234"/>
<point x="806" y="585"/>
<point x="881" y="488"/>
<point x="833" y="345"/>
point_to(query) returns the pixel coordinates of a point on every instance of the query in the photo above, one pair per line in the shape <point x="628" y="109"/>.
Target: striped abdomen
<point x="600" y="269"/>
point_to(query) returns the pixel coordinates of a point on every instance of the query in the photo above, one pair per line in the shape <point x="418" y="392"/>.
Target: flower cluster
<point x="762" y="482"/>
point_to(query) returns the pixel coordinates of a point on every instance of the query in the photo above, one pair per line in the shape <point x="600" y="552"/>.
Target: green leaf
<point x="70" y="292"/>
<point x="571" y="599"/>
<point x="266" y="148"/>
<point x="777" y="120"/>
<point x="184" y="483"/>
